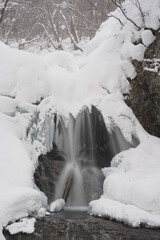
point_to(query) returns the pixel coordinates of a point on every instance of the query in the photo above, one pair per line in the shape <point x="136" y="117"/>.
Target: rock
<point x="84" y="227"/>
<point x="144" y="97"/>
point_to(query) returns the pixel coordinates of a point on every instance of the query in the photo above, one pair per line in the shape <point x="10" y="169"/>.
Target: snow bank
<point x="137" y="177"/>
<point x="18" y="202"/>
<point x="131" y="187"/>
<point x="18" y="197"/>
<point x="125" y="213"/>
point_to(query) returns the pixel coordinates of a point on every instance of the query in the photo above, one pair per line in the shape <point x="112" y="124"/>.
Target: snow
<point x="17" y="202"/>
<point x="18" y="197"/>
<point x="138" y="170"/>
<point x="7" y="105"/>
<point x="25" y="225"/>
<point x="147" y="37"/>
<point x="66" y="83"/>
<point x="67" y="78"/>
<point x="41" y="212"/>
<point x="126" y="213"/>
<point x="57" y="205"/>
<point x="131" y="186"/>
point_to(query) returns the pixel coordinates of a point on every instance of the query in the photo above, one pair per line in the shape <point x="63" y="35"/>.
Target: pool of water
<point x="72" y="213"/>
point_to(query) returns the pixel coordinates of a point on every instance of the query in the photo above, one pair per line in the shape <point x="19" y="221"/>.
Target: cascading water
<point x="76" y="142"/>
<point x="82" y="145"/>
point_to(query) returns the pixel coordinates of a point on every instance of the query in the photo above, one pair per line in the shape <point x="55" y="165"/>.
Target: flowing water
<point x="75" y="140"/>
<point x="79" y="147"/>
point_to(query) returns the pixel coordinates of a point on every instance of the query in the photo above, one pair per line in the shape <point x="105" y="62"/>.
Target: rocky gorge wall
<point x="144" y="97"/>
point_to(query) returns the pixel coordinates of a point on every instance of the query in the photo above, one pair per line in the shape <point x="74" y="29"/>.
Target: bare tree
<point x="48" y="23"/>
<point x="4" y="6"/>
<point x="118" y="4"/>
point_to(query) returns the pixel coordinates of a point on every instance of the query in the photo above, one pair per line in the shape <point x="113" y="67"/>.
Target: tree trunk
<point x="68" y="186"/>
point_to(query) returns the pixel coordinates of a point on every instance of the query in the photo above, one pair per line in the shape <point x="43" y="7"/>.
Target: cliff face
<point x="144" y="97"/>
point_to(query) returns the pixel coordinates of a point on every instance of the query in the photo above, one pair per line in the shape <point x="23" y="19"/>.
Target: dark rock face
<point x="84" y="227"/>
<point x="47" y="174"/>
<point x="144" y="98"/>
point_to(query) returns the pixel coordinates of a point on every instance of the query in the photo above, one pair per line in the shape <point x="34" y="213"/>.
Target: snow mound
<point x="125" y="213"/>
<point x="18" y="197"/>
<point x="57" y="205"/>
<point x="18" y="202"/>
<point x="25" y="225"/>
<point x="131" y="187"/>
<point x="147" y="37"/>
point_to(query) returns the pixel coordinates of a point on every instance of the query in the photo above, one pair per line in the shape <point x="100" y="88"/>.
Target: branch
<point x="98" y="10"/>
<point x="137" y="5"/>
<point x="111" y="15"/>
<point x="53" y="27"/>
<point x="41" y="24"/>
<point x="3" y="10"/>
<point x="123" y="11"/>
<point x="70" y="34"/>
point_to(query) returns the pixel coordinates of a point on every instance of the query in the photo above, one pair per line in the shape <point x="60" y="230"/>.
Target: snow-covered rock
<point x="147" y="37"/>
<point x="57" y="205"/>
<point x="25" y="225"/>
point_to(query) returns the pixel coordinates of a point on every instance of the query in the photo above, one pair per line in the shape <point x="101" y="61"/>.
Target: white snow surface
<point x="67" y="83"/>
<point x="147" y="37"/>
<point x="57" y="205"/>
<point x="126" y="213"/>
<point x="18" y="197"/>
<point x="131" y="187"/>
<point x="25" y="225"/>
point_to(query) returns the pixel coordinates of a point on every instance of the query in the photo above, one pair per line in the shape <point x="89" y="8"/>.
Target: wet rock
<point x="46" y="175"/>
<point x="86" y="227"/>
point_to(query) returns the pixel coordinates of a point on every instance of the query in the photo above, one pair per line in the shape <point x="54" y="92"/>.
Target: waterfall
<point x="82" y="145"/>
<point x="76" y="143"/>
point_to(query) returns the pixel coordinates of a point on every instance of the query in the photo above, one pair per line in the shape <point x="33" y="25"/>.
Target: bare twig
<point x="97" y="9"/>
<point x="3" y="10"/>
<point x="69" y="32"/>
<point x="119" y="5"/>
<point x="111" y="15"/>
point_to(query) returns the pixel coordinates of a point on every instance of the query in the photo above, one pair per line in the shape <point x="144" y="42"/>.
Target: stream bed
<point x="78" y="225"/>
